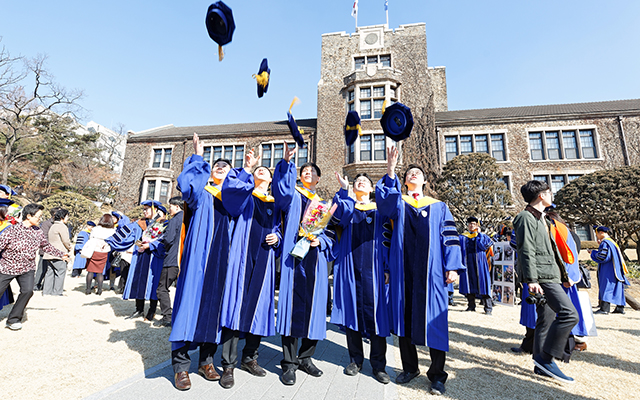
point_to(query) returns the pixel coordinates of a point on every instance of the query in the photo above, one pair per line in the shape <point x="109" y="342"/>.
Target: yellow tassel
<point x="295" y="101"/>
<point x="353" y="128"/>
<point x="384" y="106"/>
<point x="262" y="79"/>
<point x="220" y="53"/>
<point x="301" y="130"/>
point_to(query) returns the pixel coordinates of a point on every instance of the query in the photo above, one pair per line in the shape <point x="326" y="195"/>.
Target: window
<point x="368" y="147"/>
<point x="164" y="192"/>
<point x="553" y="145"/>
<point x="470" y="143"/>
<point x="556" y="144"/>
<point x="161" y="158"/>
<point x="507" y="183"/>
<point x="451" y="147"/>
<point x="233" y="153"/>
<point x="151" y="190"/>
<point x="583" y="232"/>
<point x="556" y="182"/>
<point x="384" y="60"/>
<point x="369" y="100"/>
<point x="570" y="145"/>
<point x="273" y="153"/>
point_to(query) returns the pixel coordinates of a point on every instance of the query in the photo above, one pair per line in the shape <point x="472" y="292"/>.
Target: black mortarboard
<point x="352" y="127"/>
<point x="7" y="189"/>
<point x="262" y="77"/>
<point x="397" y="121"/>
<point x="6" y="202"/>
<point x="296" y="132"/>
<point x="220" y="25"/>
<point x="91" y="223"/>
<point x="472" y="219"/>
<point x="601" y="229"/>
<point x="154" y="204"/>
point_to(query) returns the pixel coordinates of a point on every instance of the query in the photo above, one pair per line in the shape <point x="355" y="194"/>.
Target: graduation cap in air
<point x="296" y="132"/>
<point x="352" y="127"/>
<point x="154" y="204"/>
<point x="262" y="77"/>
<point x="7" y="189"/>
<point x="220" y="25"/>
<point x="397" y="121"/>
<point x="6" y="202"/>
<point x="91" y="223"/>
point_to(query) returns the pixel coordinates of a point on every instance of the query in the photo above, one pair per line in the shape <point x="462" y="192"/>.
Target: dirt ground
<point x="75" y="345"/>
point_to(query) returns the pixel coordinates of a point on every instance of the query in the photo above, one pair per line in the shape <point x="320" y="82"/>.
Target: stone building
<point x="363" y="70"/>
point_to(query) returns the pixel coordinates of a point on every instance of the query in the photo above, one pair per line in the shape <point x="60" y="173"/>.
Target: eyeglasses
<point x="414" y="172"/>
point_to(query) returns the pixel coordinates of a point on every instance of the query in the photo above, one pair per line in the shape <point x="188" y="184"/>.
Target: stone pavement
<point x="331" y="357"/>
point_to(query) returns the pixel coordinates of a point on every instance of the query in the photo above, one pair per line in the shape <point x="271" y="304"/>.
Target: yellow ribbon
<point x="624" y="265"/>
<point x="470" y="235"/>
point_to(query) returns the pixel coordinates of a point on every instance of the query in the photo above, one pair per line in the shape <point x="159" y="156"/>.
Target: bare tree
<point x="22" y="105"/>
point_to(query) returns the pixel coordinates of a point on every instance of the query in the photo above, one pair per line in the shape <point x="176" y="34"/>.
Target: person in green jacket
<point x="540" y="266"/>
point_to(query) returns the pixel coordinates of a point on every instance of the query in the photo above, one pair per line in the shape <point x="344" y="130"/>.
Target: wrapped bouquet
<point x="315" y="219"/>
<point x="153" y="232"/>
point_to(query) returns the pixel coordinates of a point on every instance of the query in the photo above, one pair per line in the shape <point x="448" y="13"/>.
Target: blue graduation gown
<point x="145" y="269"/>
<point x="302" y="301"/>
<point x="424" y="245"/>
<point x="80" y="262"/>
<point x="360" y="298"/>
<point x="477" y="278"/>
<point x="248" y="303"/>
<point x="611" y="279"/>
<point x="205" y="256"/>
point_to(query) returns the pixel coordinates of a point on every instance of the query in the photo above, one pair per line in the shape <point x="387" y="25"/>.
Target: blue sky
<point x="151" y="63"/>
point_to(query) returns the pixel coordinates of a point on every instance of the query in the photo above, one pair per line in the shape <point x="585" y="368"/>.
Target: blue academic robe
<point x="302" y="301"/>
<point x="207" y="227"/>
<point x="80" y="262"/>
<point x="424" y="246"/>
<point x="248" y="302"/>
<point x="611" y="278"/>
<point x="145" y="269"/>
<point x="477" y="277"/>
<point x="360" y="298"/>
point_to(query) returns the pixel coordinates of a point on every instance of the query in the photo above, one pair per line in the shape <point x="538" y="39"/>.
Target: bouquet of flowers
<point x="316" y="218"/>
<point x="153" y="232"/>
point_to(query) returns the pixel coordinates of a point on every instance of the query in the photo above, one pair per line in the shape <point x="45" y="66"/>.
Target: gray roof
<point x="272" y="127"/>
<point x="604" y="108"/>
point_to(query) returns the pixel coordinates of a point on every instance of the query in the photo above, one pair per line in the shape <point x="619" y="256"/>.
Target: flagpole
<point x="387" y="12"/>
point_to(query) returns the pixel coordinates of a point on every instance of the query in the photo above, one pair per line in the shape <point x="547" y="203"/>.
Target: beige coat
<point x="59" y="238"/>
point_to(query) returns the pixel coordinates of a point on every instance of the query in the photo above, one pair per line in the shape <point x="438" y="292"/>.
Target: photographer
<point x="541" y="267"/>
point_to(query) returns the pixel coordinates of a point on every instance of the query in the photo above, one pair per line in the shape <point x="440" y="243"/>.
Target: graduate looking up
<point x="476" y="279"/>
<point x="424" y="256"/>
<point x="198" y="302"/>
<point x="302" y="298"/>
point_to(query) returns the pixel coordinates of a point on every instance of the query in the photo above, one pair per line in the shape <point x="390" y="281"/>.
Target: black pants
<point x="527" y="342"/>
<point x="378" y="353"/>
<point x="409" y="357"/>
<point x="181" y="361"/>
<point x="25" y="281"/>
<point x="39" y="275"/>
<point x="290" y="349"/>
<point x="488" y="302"/>
<point x="153" y="305"/>
<point x="124" y="272"/>
<point x="167" y="277"/>
<point x="556" y="318"/>
<point x="230" y="341"/>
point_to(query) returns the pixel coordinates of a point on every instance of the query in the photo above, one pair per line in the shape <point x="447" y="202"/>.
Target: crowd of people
<point x="219" y="244"/>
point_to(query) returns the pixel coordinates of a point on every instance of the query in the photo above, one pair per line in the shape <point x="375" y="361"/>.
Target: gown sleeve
<point x="346" y="206"/>
<point x="125" y="237"/>
<point x="192" y="180"/>
<point x="284" y="184"/>
<point x="236" y="191"/>
<point x="451" y="242"/>
<point x="388" y="196"/>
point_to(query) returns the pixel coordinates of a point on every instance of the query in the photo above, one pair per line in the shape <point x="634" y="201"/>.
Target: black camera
<point x="536" y="298"/>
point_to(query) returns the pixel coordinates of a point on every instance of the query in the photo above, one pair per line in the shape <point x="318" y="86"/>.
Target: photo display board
<point x="503" y="275"/>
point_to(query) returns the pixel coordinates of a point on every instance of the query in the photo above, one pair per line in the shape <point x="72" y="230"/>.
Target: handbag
<point x="585" y="277"/>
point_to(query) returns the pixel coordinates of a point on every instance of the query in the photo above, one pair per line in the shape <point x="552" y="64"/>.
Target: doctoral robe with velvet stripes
<point x="302" y="301"/>
<point x="360" y="296"/>
<point x="78" y="261"/>
<point x="611" y="278"/>
<point x="476" y="279"/>
<point x="144" y="272"/>
<point x="200" y="287"/>
<point x="248" y="302"/>
<point x="424" y="246"/>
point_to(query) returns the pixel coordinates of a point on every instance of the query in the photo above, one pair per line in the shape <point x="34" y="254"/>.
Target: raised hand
<point x="198" y="146"/>
<point x="392" y="161"/>
<point x="344" y="182"/>
<point x="251" y="160"/>
<point x="288" y="153"/>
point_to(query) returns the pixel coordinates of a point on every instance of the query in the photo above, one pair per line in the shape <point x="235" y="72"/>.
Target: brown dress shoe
<point x="253" y="368"/>
<point x="580" y="346"/>
<point x="227" y="378"/>
<point x="182" y="381"/>
<point x="209" y="372"/>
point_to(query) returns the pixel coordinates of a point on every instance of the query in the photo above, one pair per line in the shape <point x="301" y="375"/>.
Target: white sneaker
<point x="16" y="326"/>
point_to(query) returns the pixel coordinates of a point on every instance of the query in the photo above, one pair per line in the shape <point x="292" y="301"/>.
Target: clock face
<point x="371" y="39"/>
